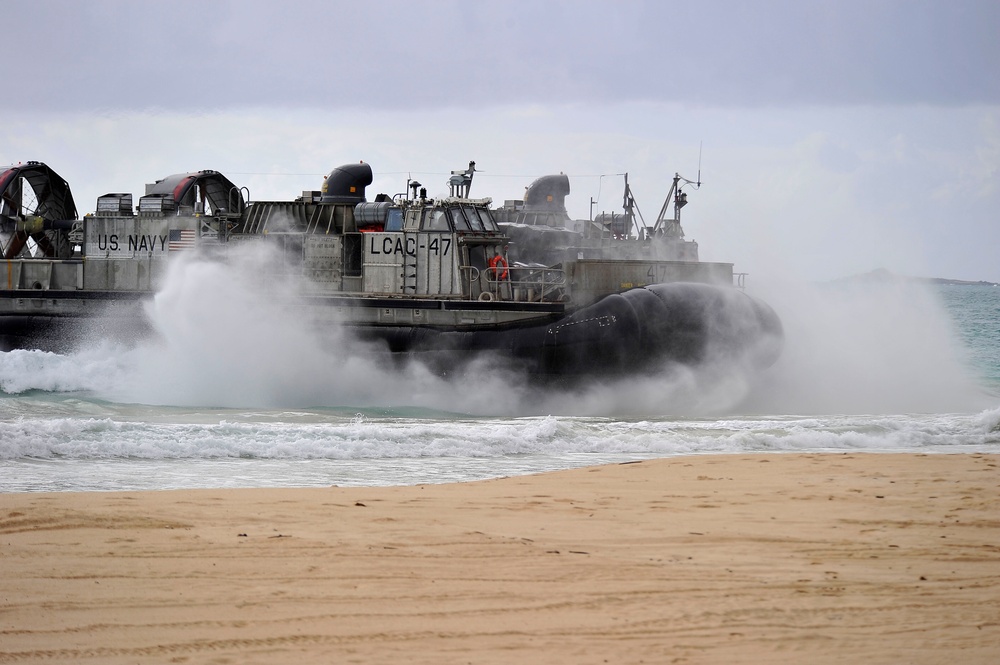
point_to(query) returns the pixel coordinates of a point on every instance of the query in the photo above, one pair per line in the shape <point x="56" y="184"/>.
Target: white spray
<point x="226" y="338"/>
<point x="866" y="346"/>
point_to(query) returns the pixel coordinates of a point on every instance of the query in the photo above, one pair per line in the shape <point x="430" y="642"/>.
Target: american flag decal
<point x="180" y="239"/>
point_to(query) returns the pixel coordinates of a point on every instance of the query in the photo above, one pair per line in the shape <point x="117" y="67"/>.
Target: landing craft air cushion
<point x="442" y="279"/>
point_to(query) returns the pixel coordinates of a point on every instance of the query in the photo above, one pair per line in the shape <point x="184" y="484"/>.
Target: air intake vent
<point x="346" y="184"/>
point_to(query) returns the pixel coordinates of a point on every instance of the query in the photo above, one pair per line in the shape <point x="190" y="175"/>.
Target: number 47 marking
<point x="440" y="248"/>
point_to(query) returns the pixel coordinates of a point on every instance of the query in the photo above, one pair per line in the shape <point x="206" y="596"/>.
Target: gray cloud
<point x="182" y="55"/>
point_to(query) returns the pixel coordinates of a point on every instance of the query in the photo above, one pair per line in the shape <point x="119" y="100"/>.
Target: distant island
<point x="883" y="275"/>
<point x="957" y="282"/>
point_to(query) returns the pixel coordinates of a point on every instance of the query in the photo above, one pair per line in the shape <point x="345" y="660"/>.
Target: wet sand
<point x="825" y="558"/>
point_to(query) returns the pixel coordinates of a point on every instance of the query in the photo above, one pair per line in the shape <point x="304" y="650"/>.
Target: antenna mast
<point x="698" y="184"/>
<point x="672" y="227"/>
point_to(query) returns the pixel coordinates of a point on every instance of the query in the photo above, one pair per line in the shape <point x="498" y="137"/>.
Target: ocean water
<point x="231" y="393"/>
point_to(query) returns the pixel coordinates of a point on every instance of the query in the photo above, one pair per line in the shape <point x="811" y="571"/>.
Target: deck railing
<point x="525" y="283"/>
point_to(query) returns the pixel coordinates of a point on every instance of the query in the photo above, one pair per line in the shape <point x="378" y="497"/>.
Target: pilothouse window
<point x="473" y="215"/>
<point x="435" y="220"/>
<point x="395" y="220"/>
<point x="488" y="220"/>
<point x="458" y="220"/>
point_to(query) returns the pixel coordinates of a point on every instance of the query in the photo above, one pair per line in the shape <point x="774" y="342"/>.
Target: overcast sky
<point x="834" y="137"/>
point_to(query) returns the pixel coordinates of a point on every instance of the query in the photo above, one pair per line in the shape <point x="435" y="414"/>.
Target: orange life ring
<point x="498" y="264"/>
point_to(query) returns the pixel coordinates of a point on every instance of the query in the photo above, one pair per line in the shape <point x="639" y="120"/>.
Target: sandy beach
<point x="815" y="558"/>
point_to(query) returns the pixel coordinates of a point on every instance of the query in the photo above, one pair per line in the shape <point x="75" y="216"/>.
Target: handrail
<point x="526" y="283"/>
<point x="468" y="280"/>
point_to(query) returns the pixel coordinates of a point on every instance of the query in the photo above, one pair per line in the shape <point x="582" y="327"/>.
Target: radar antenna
<point x="461" y="181"/>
